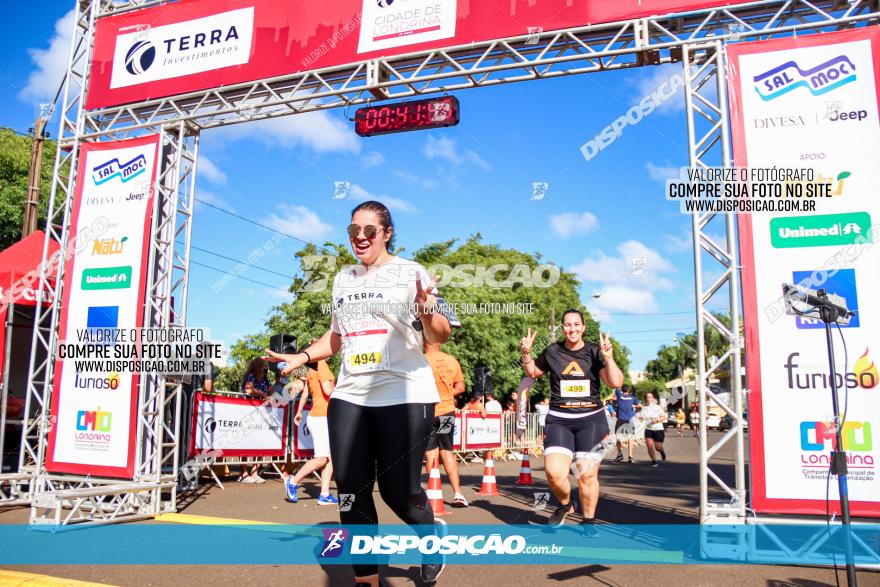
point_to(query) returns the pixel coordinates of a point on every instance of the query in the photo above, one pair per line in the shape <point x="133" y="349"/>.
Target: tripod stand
<point x="832" y="310"/>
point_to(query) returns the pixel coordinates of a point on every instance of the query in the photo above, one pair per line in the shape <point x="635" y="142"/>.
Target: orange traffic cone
<point x="489" y="486"/>
<point x="435" y="492"/>
<point x="525" y="472"/>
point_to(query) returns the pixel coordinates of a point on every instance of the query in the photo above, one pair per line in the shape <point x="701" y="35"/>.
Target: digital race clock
<point x="406" y="116"/>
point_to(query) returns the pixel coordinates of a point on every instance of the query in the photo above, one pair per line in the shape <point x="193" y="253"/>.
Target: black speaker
<point x="282" y="343"/>
<point x="482" y="380"/>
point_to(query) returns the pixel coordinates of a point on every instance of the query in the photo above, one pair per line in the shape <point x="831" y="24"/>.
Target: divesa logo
<point x="820" y="79"/>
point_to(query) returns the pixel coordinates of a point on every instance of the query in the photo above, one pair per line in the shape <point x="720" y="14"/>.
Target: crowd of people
<point x="391" y="408"/>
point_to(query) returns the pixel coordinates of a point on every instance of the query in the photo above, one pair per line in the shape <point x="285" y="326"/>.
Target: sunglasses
<point x="369" y="231"/>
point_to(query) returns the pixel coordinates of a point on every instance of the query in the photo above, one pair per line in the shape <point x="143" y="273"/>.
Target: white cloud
<point x="678" y="243"/>
<point x="51" y="62"/>
<point x="661" y="80"/>
<point x="374" y="159"/>
<point x="413" y="179"/>
<point x="212" y="198"/>
<point x="442" y="148"/>
<point x="571" y="223"/>
<point x="299" y="221"/>
<point x="626" y="281"/>
<point x="661" y="172"/>
<point x="209" y="171"/>
<point x="319" y="131"/>
<point x="394" y="204"/>
<point x="446" y="149"/>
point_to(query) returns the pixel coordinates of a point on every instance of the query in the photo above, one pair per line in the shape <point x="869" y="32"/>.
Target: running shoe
<point x="459" y="501"/>
<point x="328" y="499"/>
<point x="654" y="464"/>
<point x="292" y="490"/>
<point x="432" y="571"/>
<point x="663" y="454"/>
<point x="248" y="479"/>
<point x="619" y="459"/>
<point x="258" y="479"/>
<point x="630" y="460"/>
<point x="558" y="517"/>
<point x="588" y="530"/>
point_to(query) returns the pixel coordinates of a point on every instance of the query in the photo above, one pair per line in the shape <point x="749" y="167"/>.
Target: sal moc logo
<point x="194" y="46"/>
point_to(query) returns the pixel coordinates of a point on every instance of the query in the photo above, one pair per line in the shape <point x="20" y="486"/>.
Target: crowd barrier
<point x="228" y="428"/>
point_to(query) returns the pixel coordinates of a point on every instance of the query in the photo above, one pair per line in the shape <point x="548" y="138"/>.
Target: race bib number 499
<point x="574" y="387"/>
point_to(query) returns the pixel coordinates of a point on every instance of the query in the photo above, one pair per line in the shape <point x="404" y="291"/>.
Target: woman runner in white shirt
<point x="382" y="409"/>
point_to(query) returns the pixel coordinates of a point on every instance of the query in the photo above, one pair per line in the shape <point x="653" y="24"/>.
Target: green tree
<point x="672" y="358"/>
<point x="485" y="337"/>
<point x="15" y="158"/>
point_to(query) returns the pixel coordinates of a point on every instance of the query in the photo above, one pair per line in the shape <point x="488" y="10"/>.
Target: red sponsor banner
<point x="238" y="427"/>
<point x="789" y="81"/>
<point x="481" y="433"/>
<point x="196" y="45"/>
<point x="93" y="413"/>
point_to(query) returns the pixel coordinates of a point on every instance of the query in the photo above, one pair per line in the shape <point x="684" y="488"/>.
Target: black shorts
<point x="576" y="437"/>
<point x="656" y="435"/>
<point x="620" y="424"/>
<point x="438" y="439"/>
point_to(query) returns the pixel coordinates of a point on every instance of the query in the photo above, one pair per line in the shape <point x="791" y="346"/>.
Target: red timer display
<point x="406" y="116"/>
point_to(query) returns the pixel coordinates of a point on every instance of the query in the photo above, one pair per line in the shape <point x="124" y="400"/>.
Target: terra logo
<point x="140" y="57"/>
<point x="210" y="425"/>
<point x="821" y="79"/>
<point x="815" y="436"/>
<point x="334" y="541"/>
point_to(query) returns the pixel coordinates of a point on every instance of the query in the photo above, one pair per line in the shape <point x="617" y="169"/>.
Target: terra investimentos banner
<point x="811" y="102"/>
<point x="94" y="413"/>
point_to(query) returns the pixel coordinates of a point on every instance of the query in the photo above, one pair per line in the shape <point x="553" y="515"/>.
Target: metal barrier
<point x="532" y="437"/>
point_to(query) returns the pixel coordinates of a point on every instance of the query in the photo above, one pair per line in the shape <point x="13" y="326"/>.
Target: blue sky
<point x="439" y="184"/>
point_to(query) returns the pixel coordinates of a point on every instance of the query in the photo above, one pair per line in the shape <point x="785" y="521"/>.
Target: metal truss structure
<point x="694" y="38"/>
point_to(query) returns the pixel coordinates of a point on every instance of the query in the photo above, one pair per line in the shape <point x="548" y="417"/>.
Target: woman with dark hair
<point x="576" y="425"/>
<point x="382" y="409"/>
<point x="256" y="384"/>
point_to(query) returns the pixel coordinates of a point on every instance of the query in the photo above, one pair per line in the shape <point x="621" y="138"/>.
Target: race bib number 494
<point x="362" y="360"/>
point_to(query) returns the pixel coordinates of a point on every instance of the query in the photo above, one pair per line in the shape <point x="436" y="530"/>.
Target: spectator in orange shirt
<point x="450" y="383"/>
<point x="320" y="382"/>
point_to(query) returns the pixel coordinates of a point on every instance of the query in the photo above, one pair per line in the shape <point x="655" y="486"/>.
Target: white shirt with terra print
<point x="653" y="412"/>
<point x="382" y="359"/>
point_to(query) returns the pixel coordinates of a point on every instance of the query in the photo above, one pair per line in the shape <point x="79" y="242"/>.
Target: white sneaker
<point x="249" y="479"/>
<point x="258" y="479"/>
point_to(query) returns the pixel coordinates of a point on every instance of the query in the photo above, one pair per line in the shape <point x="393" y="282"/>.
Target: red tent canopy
<point x="18" y="260"/>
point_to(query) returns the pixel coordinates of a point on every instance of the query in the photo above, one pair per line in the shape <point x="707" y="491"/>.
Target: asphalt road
<point x="631" y="494"/>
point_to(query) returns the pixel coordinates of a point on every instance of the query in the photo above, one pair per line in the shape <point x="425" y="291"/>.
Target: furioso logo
<point x="140" y="57"/>
<point x="819" y="80"/>
<point x="334" y="540"/>
<point x="124" y="171"/>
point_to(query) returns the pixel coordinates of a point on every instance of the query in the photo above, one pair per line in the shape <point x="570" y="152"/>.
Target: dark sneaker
<point x="619" y="459"/>
<point x="589" y="530"/>
<point x="663" y="454"/>
<point x="630" y="460"/>
<point x="558" y="517"/>
<point x="654" y="464"/>
<point x="432" y="571"/>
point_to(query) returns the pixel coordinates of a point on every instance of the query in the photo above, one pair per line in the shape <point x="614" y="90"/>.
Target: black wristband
<point x="307" y="356"/>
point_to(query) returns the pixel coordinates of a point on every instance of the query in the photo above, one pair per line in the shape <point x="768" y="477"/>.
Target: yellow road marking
<point x="209" y="520"/>
<point x="8" y="578"/>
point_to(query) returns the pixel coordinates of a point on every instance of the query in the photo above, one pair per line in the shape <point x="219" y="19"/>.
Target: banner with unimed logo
<point x="94" y="413"/>
<point x="811" y="102"/>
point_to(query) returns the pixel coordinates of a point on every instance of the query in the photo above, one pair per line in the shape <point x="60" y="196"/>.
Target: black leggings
<point x="387" y="443"/>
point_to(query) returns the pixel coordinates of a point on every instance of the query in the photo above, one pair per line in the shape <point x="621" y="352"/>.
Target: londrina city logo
<point x="821" y="79"/>
<point x="334" y="542"/>
<point x="124" y="171"/>
<point x="140" y="57"/>
<point x="841" y="283"/>
<point x="820" y="230"/>
<point x="815" y="436"/>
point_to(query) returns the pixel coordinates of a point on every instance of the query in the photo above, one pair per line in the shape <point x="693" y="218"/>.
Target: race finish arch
<point x="170" y="69"/>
